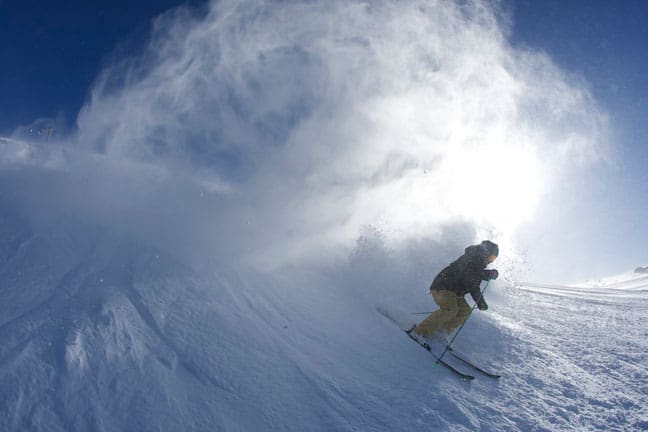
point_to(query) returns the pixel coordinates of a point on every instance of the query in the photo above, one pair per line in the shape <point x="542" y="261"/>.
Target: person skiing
<point x="449" y="287"/>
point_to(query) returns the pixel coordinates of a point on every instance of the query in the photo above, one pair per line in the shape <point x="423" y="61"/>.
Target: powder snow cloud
<point x="270" y="130"/>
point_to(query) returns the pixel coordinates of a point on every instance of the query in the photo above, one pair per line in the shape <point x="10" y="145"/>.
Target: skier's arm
<point x="476" y="295"/>
<point x="475" y="292"/>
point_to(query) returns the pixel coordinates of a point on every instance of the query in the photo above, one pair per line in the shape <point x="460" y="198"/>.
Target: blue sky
<point x="606" y="43"/>
<point x="53" y="54"/>
<point x="53" y="51"/>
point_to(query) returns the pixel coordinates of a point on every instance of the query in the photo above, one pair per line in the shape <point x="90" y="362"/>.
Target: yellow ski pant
<point x="453" y="311"/>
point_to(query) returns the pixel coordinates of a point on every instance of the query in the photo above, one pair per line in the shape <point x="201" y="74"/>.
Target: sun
<point x="498" y="184"/>
<point x="495" y="187"/>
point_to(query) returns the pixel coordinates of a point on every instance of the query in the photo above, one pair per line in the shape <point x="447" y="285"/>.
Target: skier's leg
<point x="463" y="312"/>
<point x="447" y="301"/>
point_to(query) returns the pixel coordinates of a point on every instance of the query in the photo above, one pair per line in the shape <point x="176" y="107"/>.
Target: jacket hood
<point x="489" y="248"/>
<point x="482" y="250"/>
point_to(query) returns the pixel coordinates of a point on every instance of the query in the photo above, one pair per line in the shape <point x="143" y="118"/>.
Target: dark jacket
<point x="464" y="275"/>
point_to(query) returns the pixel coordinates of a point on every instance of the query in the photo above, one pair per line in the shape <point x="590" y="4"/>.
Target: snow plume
<point x="268" y="130"/>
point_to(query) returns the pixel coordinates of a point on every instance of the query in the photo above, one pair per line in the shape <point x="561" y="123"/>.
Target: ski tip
<point x="462" y="375"/>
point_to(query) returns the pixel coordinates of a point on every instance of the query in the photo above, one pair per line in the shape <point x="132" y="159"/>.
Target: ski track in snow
<point x="99" y="334"/>
<point x="581" y="355"/>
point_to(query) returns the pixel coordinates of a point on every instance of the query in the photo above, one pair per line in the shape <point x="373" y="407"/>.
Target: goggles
<point x="491" y="258"/>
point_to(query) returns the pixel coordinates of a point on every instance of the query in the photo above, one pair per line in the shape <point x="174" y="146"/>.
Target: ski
<point x="438" y="360"/>
<point x="404" y="322"/>
<point x="468" y="363"/>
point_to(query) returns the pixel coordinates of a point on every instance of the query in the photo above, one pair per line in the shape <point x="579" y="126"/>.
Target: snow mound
<point x="641" y="269"/>
<point x="100" y="333"/>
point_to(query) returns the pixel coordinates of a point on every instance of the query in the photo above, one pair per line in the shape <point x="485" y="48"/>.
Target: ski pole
<point x="481" y="294"/>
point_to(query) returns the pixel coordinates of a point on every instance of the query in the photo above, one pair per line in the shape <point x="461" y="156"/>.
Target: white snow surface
<point x="98" y="333"/>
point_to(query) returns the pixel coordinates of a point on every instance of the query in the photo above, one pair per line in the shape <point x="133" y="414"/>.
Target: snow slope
<point x="98" y="333"/>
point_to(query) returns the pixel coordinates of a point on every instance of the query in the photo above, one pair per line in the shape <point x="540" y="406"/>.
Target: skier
<point x="450" y="286"/>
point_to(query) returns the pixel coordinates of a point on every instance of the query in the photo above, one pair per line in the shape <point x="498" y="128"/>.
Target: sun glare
<point x="496" y="187"/>
<point x="497" y="184"/>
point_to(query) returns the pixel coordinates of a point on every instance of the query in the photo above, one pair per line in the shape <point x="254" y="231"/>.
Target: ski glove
<point x="491" y="274"/>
